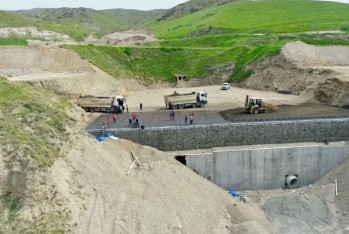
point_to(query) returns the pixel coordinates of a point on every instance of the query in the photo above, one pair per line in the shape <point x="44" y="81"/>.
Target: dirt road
<point x="153" y="99"/>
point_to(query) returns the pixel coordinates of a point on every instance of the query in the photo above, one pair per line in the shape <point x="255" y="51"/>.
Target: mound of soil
<point x="162" y="196"/>
<point x="128" y="38"/>
<point x="60" y="70"/>
<point x="307" y="110"/>
<point x="306" y="70"/>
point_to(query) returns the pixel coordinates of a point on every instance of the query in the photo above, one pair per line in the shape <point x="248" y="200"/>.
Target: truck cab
<point x="201" y="96"/>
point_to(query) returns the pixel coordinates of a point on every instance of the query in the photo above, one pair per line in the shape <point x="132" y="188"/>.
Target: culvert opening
<point x="181" y="159"/>
<point x="291" y="181"/>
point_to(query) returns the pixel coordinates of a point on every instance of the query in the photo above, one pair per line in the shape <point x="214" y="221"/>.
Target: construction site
<point x="248" y="159"/>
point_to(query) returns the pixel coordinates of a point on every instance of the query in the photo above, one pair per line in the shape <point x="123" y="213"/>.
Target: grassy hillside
<point x="164" y="62"/>
<point x="149" y="63"/>
<point x="13" y="41"/>
<point x="194" y="57"/>
<point x="8" y="19"/>
<point x="32" y="131"/>
<point x="190" y="7"/>
<point x="81" y="22"/>
<point x="257" y="17"/>
<point x="132" y="18"/>
<point x="29" y="113"/>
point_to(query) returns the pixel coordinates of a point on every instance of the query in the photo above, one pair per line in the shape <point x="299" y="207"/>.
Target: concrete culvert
<point x="292" y="181"/>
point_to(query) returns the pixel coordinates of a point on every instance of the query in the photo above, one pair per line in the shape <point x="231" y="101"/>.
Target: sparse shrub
<point x="12" y="203"/>
<point x="128" y="51"/>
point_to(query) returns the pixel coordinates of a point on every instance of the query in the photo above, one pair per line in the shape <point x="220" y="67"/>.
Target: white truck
<point x="102" y="104"/>
<point x="180" y="101"/>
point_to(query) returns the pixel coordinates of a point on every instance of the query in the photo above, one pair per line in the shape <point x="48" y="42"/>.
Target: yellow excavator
<point x="256" y="105"/>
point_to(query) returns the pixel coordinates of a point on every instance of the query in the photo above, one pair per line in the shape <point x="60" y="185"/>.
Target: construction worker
<point x="114" y="117"/>
<point x="136" y="123"/>
<point x="130" y="123"/>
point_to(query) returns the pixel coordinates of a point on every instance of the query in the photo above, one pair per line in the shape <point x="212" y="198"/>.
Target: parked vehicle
<point x="225" y="86"/>
<point x="102" y="104"/>
<point x="180" y="101"/>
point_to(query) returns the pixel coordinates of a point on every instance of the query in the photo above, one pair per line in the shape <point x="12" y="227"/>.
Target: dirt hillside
<point x="162" y="196"/>
<point x="314" y="72"/>
<point x="60" y="70"/>
<point x="34" y="32"/>
<point x="132" y="37"/>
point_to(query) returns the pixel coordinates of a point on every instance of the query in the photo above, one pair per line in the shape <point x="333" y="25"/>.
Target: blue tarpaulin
<point x="100" y="138"/>
<point x="234" y="194"/>
<point x="109" y="135"/>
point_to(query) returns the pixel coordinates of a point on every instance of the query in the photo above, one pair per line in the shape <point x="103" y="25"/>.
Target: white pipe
<point x="292" y="181"/>
<point x="336" y="191"/>
<point x="128" y="172"/>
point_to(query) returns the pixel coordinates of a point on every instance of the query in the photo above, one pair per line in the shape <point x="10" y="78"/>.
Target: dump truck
<point x="89" y="103"/>
<point x="256" y="105"/>
<point x="180" y="101"/>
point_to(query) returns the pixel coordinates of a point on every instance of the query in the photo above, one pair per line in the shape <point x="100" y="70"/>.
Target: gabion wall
<point x="204" y="137"/>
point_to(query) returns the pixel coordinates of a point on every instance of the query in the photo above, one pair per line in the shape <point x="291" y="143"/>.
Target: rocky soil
<point x="34" y="32"/>
<point x="124" y="38"/>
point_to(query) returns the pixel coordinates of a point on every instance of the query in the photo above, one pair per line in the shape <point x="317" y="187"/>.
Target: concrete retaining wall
<point x="204" y="137"/>
<point x="267" y="168"/>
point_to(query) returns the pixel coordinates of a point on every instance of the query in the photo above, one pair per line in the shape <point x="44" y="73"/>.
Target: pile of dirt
<point x="136" y="37"/>
<point x="313" y="72"/>
<point x="56" y="60"/>
<point x="34" y="32"/>
<point x="60" y="70"/>
<point x="162" y="196"/>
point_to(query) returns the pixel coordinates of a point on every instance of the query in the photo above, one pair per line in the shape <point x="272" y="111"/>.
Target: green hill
<point x="132" y="18"/>
<point x="191" y="7"/>
<point x="8" y="19"/>
<point x="81" y="22"/>
<point x="258" y="17"/>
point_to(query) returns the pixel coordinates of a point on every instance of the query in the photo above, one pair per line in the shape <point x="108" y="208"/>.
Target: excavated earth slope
<point x="161" y="196"/>
<point x="321" y="73"/>
<point x="57" y="69"/>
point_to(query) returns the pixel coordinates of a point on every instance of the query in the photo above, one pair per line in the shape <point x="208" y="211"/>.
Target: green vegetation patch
<point x="258" y="17"/>
<point x="8" y="19"/>
<point x="13" y="41"/>
<point x="33" y="121"/>
<point x="12" y="203"/>
<point x="155" y="63"/>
